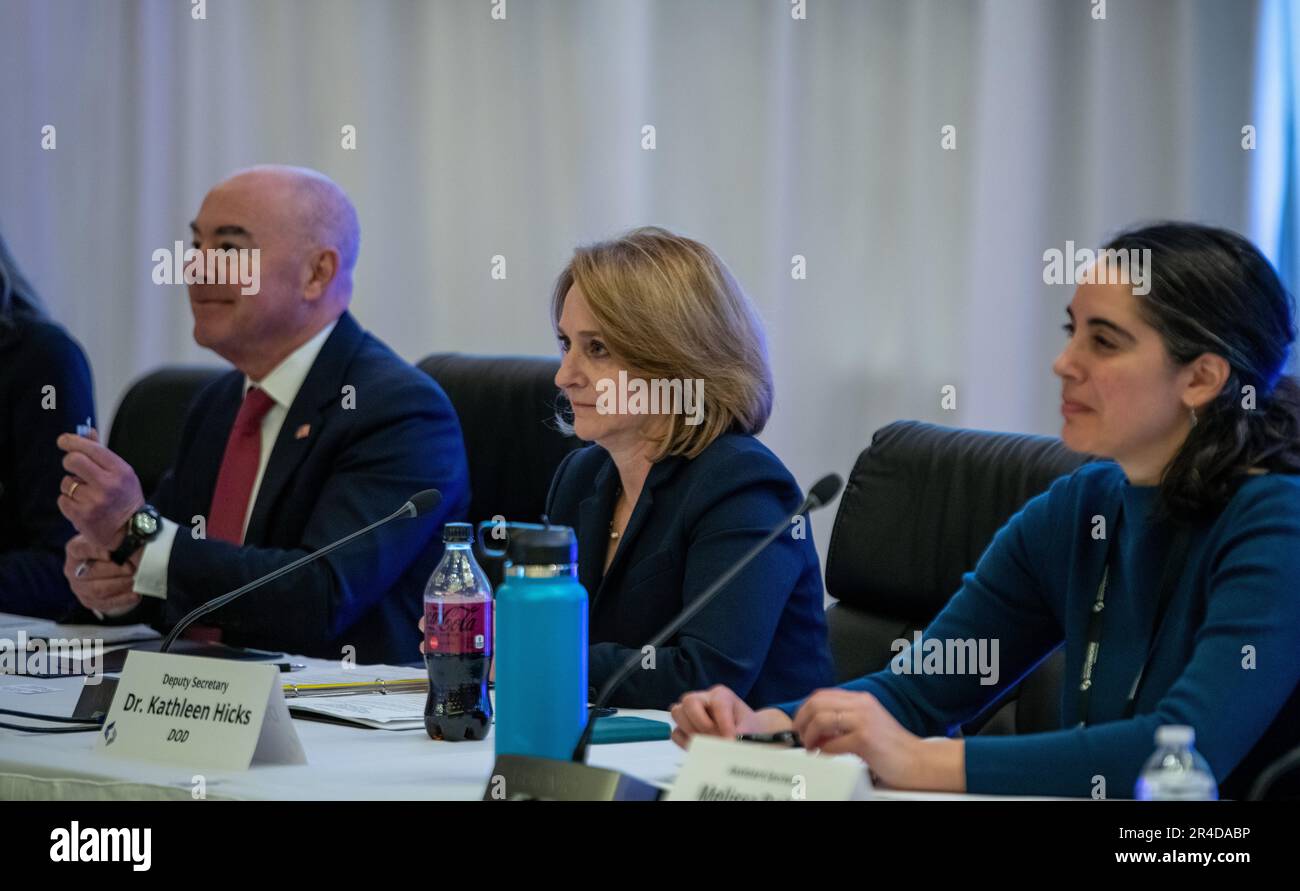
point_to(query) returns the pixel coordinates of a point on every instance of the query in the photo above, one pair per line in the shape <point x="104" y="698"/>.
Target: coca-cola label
<point x="457" y="625"/>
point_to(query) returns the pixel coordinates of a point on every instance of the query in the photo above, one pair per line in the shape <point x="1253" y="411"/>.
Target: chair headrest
<point x="922" y="504"/>
<point x="147" y="425"/>
<point x="506" y="406"/>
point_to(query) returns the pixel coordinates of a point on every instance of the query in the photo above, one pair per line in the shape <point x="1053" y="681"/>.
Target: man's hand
<point x="718" y="711"/>
<point x="100" y="492"/>
<point x="99" y="583"/>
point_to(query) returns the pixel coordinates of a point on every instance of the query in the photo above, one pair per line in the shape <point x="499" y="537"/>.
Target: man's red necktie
<point x="235" y="484"/>
<point x="239" y="469"/>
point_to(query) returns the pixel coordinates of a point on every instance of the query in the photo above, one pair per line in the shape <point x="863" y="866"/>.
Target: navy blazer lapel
<point x="659" y="474"/>
<point x="593" y="529"/>
<point x="302" y="424"/>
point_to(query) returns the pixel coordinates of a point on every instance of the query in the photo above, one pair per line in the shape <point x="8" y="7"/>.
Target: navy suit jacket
<point x="45" y="390"/>
<point x="765" y="633"/>
<point x="357" y="463"/>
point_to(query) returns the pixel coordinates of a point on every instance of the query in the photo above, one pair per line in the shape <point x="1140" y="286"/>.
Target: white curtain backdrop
<point x="522" y="137"/>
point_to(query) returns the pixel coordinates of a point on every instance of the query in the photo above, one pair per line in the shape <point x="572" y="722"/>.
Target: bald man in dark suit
<point x="318" y="430"/>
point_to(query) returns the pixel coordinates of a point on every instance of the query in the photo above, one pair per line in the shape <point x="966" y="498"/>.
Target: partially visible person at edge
<point x="45" y="389"/>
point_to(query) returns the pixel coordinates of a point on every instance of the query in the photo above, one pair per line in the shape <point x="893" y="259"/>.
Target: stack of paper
<point x="383" y="711"/>
<point x="44" y="629"/>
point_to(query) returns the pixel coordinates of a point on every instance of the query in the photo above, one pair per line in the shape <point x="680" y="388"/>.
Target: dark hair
<point x="17" y="297"/>
<point x="1212" y="291"/>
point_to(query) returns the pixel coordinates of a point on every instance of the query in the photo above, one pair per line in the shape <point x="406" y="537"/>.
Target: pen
<point x="782" y="738"/>
<point x="84" y="431"/>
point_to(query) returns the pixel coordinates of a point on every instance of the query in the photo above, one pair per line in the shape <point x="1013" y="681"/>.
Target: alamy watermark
<point x="951" y="656"/>
<point x="219" y="266"/>
<point x="90" y="844"/>
<point x="657" y="396"/>
<point x="45" y="657"/>
<point x="1108" y="266"/>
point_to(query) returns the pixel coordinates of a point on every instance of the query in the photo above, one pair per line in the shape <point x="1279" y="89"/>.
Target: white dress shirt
<point x="282" y="385"/>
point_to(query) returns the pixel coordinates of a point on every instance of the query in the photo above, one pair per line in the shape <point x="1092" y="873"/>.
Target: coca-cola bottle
<point x="458" y="641"/>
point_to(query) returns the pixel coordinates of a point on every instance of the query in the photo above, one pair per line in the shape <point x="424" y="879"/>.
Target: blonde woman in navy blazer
<point x="663" y="503"/>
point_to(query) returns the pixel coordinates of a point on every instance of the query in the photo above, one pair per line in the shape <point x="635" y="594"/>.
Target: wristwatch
<point x="142" y="528"/>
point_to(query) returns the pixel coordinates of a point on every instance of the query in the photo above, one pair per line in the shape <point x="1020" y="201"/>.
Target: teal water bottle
<point x="541" y="645"/>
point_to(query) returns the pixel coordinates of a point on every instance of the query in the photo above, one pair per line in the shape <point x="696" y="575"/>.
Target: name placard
<point x="209" y="713"/>
<point x="725" y="770"/>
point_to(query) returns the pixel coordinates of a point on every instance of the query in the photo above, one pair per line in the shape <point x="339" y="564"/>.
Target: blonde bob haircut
<point x="669" y="308"/>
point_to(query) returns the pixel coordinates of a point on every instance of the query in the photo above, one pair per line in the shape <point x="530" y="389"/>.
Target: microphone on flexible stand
<point x="821" y="494"/>
<point x="418" y="504"/>
<point x="96" y="700"/>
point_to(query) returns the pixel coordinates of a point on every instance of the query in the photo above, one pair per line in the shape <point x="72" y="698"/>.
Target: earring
<point x="1193" y="417"/>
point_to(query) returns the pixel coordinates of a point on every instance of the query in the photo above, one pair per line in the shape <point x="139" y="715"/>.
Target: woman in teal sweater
<point x="1184" y="388"/>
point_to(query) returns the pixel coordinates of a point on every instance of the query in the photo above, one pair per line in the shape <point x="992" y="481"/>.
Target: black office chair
<point x="920" y="507"/>
<point x="1280" y="781"/>
<point x="146" y="428"/>
<point x="507" y="408"/>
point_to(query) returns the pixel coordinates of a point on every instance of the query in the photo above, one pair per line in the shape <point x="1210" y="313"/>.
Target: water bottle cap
<point x="458" y="533"/>
<point x="1175" y="735"/>
<point x="539" y="547"/>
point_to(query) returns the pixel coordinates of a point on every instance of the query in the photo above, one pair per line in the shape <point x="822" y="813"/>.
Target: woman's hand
<point x="720" y="712"/>
<point x="837" y="721"/>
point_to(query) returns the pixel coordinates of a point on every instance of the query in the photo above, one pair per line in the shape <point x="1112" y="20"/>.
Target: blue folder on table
<point x="629" y="728"/>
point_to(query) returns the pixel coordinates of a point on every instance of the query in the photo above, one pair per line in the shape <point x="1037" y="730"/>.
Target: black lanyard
<point x="1176" y="554"/>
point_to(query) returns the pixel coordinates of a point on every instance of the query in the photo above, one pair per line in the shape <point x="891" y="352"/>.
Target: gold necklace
<point x="613" y="533"/>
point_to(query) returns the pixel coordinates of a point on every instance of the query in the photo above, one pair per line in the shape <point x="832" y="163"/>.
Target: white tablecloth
<point x="342" y="762"/>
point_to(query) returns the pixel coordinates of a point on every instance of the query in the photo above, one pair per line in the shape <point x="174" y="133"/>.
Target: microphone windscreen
<point x="425" y="501"/>
<point x="824" y="490"/>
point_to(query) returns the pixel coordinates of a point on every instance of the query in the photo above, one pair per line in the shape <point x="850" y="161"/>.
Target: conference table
<point x="343" y="762"/>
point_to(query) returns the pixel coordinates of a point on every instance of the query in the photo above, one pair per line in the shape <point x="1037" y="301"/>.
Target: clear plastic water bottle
<point x="1176" y="772"/>
<point x="542" y="646"/>
<point x="458" y="641"/>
